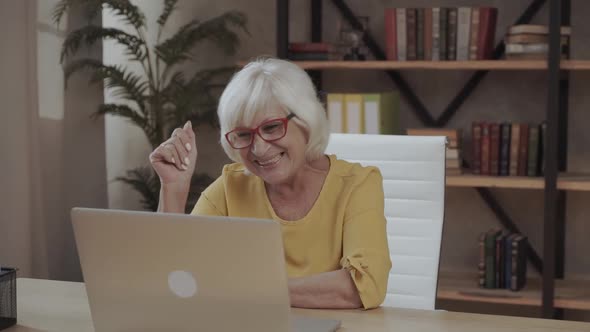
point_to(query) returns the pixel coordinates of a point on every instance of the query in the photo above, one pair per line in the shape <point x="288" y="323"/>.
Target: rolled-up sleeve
<point x="365" y="252"/>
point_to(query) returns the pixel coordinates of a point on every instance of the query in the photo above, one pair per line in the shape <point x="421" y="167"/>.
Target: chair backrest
<point x="413" y="170"/>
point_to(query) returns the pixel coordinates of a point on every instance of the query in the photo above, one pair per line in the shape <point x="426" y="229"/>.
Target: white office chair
<point x="413" y="170"/>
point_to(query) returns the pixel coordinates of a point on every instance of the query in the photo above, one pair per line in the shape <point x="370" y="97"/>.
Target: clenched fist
<point x="174" y="160"/>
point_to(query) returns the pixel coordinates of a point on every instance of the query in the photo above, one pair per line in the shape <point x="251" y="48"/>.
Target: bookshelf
<point x="565" y="181"/>
<point x="549" y="291"/>
<point x="569" y="294"/>
<point x="572" y="65"/>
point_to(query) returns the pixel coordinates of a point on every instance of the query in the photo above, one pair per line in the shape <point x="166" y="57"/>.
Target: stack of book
<point x="464" y="33"/>
<point x="369" y="113"/>
<point x="453" y="155"/>
<point x="505" y="149"/>
<point x="502" y="260"/>
<point x="309" y="51"/>
<point x="531" y="42"/>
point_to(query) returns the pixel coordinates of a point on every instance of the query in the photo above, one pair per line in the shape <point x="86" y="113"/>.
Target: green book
<point x="381" y="111"/>
<point x="490" y="255"/>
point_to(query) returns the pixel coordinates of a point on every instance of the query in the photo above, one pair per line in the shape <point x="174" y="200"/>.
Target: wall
<point x="53" y="152"/>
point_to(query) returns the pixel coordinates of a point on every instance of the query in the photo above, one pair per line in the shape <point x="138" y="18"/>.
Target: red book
<point x="390" y="34"/>
<point x="310" y="47"/>
<point x="476" y="147"/>
<point x="428" y="34"/>
<point x="494" y="149"/>
<point x="485" y="149"/>
<point x="487" y="32"/>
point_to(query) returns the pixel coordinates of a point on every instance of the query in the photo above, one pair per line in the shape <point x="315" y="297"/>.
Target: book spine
<point x="308" y="56"/>
<point x="401" y="34"/>
<point x="499" y="260"/>
<point x="481" y="266"/>
<point x="411" y="33"/>
<point x="420" y="28"/>
<point x="514" y="265"/>
<point x="514" y="148"/>
<point x="494" y="149"/>
<point x="523" y="151"/>
<point x="444" y="12"/>
<point x="487" y="30"/>
<point x="505" y="149"/>
<point x="532" y="167"/>
<point x="490" y="252"/>
<point x="476" y="148"/>
<point x="452" y="34"/>
<point x="310" y="47"/>
<point x="542" y="148"/>
<point x="485" y="149"/>
<point x="428" y="34"/>
<point x="473" y="35"/>
<point x="436" y="34"/>
<point x="390" y="34"/>
<point x="463" y="25"/>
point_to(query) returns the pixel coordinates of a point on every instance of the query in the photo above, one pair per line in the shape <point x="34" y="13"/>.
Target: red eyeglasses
<point x="270" y="130"/>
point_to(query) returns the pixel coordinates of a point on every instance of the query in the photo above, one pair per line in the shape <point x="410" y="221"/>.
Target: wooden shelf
<point x="566" y="181"/>
<point x="441" y="65"/>
<point x="569" y="294"/>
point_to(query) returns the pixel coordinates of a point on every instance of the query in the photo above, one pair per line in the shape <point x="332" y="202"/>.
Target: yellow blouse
<point x="345" y="228"/>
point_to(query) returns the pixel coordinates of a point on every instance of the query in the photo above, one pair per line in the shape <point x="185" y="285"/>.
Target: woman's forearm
<point x="173" y="198"/>
<point x="328" y="290"/>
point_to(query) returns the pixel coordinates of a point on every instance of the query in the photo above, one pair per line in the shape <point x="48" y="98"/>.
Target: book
<point x="476" y="148"/>
<point x="353" y="113"/>
<point x="508" y="260"/>
<point x="536" y="29"/>
<point x="523" y="150"/>
<point x="390" y="34"/>
<point x="400" y="15"/>
<point x="527" y="48"/>
<point x="543" y="140"/>
<point x="490" y="257"/>
<point x="452" y="34"/>
<point x="443" y="34"/>
<point x="428" y="35"/>
<point x="474" y="34"/>
<point x="514" y="149"/>
<point x="487" y="31"/>
<point x="518" y="260"/>
<point x="305" y="47"/>
<point x="533" y="153"/>
<point x="485" y="149"/>
<point x="499" y="268"/>
<point x="335" y="111"/>
<point x="411" y="34"/>
<point x="494" y="149"/>
<point x="381" y="112"/>
<point x="526" y="38"/>
<point x="435" y="34"/>
<point x="481" y="266"/>
<point x="420" y="28"/>
<point x="505" y="149"/>
<point x="463" y="25"/>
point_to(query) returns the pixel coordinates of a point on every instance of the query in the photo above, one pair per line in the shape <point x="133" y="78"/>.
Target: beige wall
<point x="53" y="152"/>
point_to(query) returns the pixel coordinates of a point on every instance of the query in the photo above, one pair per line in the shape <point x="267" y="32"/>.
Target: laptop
<point x="149" y="271"/>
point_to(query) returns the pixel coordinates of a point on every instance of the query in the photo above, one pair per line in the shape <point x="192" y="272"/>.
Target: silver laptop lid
<point x="171" y="272"/>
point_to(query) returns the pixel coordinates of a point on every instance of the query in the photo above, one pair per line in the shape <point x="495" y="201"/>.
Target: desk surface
<point x="45" y="305"/>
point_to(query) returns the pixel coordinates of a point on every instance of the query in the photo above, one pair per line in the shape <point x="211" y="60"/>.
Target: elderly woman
<point x="330" y="211"/>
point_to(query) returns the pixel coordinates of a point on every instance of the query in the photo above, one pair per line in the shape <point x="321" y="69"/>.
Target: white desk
<point x="45" y="305"/>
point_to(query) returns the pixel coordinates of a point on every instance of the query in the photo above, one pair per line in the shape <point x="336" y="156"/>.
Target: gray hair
<point x="266" y="83"/>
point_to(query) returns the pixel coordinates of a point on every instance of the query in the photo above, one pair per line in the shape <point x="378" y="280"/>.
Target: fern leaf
<point x="169" y="7"/>
<point x="123" y="83"/>
<point x="90" y="34"/>
<point x="177" y="48"/>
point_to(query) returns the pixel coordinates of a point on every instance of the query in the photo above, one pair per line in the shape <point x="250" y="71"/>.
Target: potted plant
<point x="161" y="96"/>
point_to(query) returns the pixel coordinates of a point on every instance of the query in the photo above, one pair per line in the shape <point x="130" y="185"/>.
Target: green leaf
<point x="130" y="13"/>
<point x="169" y="7"/>
<point x="90" y="34"/>
<point x="122" y="82"/>
<point x="178" y="48"/>
<point x="133" y="116"/>
<point x="145" y="182"/>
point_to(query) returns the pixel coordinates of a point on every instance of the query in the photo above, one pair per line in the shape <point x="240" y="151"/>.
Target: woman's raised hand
<point x="174" y="160"/>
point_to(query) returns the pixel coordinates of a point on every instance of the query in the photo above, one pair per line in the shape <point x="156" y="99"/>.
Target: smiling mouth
<point x="270" y="162"/>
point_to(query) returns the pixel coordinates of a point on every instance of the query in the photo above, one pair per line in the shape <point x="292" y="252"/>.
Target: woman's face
<point x="276" y="162"/>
